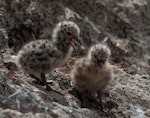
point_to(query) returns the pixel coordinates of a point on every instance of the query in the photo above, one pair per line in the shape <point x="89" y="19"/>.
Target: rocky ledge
<point x="123" y="25"/>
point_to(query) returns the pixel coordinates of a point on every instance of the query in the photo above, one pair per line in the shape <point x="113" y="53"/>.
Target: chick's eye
<point x="68" y="33"/>
<point x="94" y="55"/>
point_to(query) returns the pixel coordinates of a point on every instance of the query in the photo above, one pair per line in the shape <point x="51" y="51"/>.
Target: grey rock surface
<point x="123" y="25"/>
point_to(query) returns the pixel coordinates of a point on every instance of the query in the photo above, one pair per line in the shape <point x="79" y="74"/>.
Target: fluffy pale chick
<point x="40" y="57"/>
<point x="93" y="72"/>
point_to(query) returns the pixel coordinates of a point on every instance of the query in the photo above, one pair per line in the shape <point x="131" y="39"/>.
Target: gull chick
<point x="93" y="72"/>
<point x="40" y="57"/>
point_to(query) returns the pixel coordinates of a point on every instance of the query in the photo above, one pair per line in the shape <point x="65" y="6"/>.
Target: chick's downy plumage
<point x="42" y="56"/>
<point x="93" y="72"/>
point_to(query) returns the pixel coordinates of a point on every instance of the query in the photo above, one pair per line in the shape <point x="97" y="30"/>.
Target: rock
<point x="126" y="20"/>
<point x="22" y="99"/>
<point x="30" y="20"/>
<point x="122" y="25"/>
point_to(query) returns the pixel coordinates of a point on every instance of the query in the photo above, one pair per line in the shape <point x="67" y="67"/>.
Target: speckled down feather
<point x="42" y="56"/>
<point x="85" y="76"/>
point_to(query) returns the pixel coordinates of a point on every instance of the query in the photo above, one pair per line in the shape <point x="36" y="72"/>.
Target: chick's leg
<point x="37" y="80"/>
<point x="82" y="98"/>
<point x="46" y="84"/>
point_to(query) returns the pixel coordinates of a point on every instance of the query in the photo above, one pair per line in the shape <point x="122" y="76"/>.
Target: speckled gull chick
<point x="93" y="72"/>
<point x="40" y="57"/>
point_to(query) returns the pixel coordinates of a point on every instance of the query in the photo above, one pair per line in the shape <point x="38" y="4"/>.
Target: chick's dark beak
<point x="98" y="65"/>
<point x="72" y="43"/>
